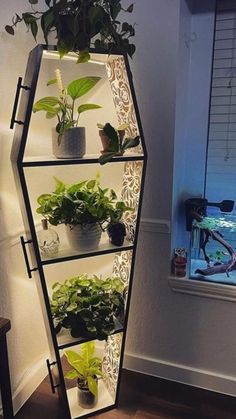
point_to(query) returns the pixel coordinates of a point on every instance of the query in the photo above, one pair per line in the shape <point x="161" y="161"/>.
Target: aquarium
<point x="213" y="247"/>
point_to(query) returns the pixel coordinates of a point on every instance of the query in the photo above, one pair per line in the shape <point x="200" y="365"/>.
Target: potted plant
<point x="88" y="306"/>
<point x="84" y="208"/>
<point x="79" y="25"/>
<point x="114" y="141"/>
<point x="87" y="369"/>
<point x="68" y="139"/>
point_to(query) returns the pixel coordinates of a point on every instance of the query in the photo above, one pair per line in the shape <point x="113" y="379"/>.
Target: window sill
<point x="203" y="289"/>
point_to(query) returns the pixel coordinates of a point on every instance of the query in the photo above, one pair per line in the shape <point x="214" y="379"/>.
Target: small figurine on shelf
<point x="48" y="241"/>
<point x="180" y="262"/>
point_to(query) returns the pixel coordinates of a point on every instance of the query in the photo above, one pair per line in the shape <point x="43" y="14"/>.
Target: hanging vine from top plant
<point x="79" y="25"/>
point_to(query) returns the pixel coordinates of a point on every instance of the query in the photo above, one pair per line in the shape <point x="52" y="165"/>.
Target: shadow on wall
<point x="18" y="297"/>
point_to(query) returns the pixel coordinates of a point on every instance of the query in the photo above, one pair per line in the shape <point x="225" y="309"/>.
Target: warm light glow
<point x="69" y="57"/>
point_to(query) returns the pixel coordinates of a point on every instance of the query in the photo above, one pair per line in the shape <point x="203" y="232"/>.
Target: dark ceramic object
<point x="86" y="399"/>
<point x="116" y="233"/>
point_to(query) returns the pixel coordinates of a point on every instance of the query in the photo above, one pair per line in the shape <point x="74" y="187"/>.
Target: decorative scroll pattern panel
<point x="111" y="362"/>
<point x="126" y="114"/>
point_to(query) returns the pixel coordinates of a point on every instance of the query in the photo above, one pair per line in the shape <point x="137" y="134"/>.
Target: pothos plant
<point x="86" y="367"/>
<point x="88" y="305"/>
<point x="81" y="203"/>
<point x="79" y="25"/>
<point x="63" y="106"/>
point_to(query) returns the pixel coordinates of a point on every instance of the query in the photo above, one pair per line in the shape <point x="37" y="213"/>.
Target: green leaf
<point x="52" y="81"/>
<point x="122" y="127"/>
<point x="83" y="57"/>
<point x="91" y="184"/>
<point x="60" y="186"/>
<point x="46" y="104"/>
<point x="47" y="22"/>
<point x="80" y="87"/>
<point x="92" y="385"/>
<point x="130" y="8"/>
<point x="87" y="107"/>
<point x="71" y="375"/>
<point x="9" y="29"/>
<point x="106" y="157"/>
<point x="130" y="143"/>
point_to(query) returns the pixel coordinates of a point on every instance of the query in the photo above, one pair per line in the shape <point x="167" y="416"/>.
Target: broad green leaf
<point x="80" y="87"/>
<point x="100" y="126"/>
<point x="73" y="357"/>
<point x="50" y="115"/>
<point x="92" y="385"/>
<point x="46" y="104"/>
<point x="87" y="107"/>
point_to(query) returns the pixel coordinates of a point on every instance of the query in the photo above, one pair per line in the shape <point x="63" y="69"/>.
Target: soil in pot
<point x="71" y="144"/>
<point x="84" y="236"/>
<point x="116" y="233"/>
<point x="86" y="399"/>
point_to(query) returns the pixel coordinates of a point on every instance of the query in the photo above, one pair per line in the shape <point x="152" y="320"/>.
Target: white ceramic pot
<point x="71" y="143"/>
<point x="84" y="237"/>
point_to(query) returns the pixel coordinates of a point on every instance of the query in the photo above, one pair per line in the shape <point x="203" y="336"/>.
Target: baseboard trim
<point x="205" y="379"/>
<point x="29" y="382"/>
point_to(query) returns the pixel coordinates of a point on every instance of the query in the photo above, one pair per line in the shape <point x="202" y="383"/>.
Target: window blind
<point x="221" y="155"/>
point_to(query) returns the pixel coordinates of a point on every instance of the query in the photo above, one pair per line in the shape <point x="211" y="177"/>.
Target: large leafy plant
<point x="117" y="143"/>
<point x="88" y="306"/>
<point x="81" y="203"/>
<point x="86" y="367"/>
<point x="63" y="107"/>
<point x="79" y="25"/>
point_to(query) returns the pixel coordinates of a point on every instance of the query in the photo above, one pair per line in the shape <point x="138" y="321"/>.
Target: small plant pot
<point x="116" y="233"/>
<point x="86" y="399"/>
<point x="84" y="236"/>
<point x="71" y="144"/>
<point x="105" y="141"/>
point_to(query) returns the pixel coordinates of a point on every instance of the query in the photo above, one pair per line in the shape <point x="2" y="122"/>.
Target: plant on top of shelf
<point x="114" y="141"/>
<point x="84" y="208"/>
<point x="68" y="138"/>
<point x="86" y="368"/>
<point x="88" y="306"/>
<point x="78" y="25"/>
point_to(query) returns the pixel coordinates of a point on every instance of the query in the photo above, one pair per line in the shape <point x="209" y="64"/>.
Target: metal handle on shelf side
<point x="13" y="118"/>
<point x="53" y="386"/>
<point x="23" y="244"/>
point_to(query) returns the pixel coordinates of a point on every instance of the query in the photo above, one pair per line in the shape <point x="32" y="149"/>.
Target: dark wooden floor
<point x="142" y="397"/>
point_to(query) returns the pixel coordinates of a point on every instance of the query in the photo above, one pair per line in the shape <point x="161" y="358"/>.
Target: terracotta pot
<point x="71" y="144"/>
<point x="84" y="237"/>
<point x="105" y="141"/>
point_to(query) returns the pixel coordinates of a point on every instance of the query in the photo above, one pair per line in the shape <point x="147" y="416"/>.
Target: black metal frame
<point x="17" y="155"/>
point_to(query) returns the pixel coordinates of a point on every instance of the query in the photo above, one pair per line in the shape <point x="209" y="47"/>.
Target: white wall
<point x="186" y="338"/>
<point x="182" y="337"/>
